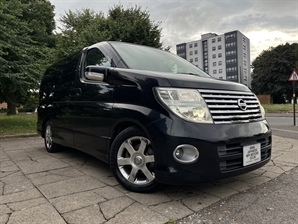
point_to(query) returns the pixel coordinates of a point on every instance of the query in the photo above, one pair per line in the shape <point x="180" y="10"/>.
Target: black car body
<point x="153" y="116"/>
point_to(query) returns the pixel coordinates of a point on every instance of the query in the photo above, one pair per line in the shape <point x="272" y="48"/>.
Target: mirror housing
<point x="96" y="73"/>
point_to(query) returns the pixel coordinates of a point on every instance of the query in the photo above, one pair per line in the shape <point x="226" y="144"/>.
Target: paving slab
<point x="70" y="186"/>
<point x="76" y="201"/>
<point x="112" y="207"/>
<point x="172" y="210"/>
<point x="20" y="196"/>
<point x="16" y="206"/>
<point x="74" y="187"/>
<point x="90" y="215"/>
<point x="38" y="214"/>
<point x="138" y="214"/>
<point x="40" y="165"/>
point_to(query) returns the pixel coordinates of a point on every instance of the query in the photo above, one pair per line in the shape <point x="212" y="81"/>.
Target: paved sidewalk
<point x="72" y="187"/>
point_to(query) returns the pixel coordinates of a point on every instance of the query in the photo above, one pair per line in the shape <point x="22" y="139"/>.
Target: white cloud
<point x="265" y="22"/>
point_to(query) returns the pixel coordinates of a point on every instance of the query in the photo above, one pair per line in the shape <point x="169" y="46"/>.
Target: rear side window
<point x="60" y="75"/>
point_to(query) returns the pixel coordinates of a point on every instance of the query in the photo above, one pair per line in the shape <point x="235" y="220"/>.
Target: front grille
<point x="231" y="155"/>
<point x="224" y="106"/>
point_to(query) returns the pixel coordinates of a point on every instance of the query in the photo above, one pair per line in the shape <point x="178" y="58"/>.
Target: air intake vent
<point x="232" y="107"/>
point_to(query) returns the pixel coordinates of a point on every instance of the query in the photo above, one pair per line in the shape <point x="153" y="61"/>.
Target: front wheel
<point x="48" y="139"/>
<point x="132" y="161"/>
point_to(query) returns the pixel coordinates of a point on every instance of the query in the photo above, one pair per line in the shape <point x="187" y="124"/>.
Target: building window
<point x="244" y="55"/>
<point x="190" y="53"/>
<point x="220" y="63"/>
<point x="196" y="51"/>
<point x="244" y="63"/>
<point x="244" y="39"/>
<point x="213" y="40"/>
<point x="244" y="47"/>
<point x="196" y="59"/>
<point x="214" y="56"/>
<point x="219" y="39"/>
<point x="195" y="44"/>
<point x="231" y="52"/>
<point x="230" y="36"/>
<point x="191" y="60"/>
<point x="214" y="72"/>
<point x="190" y="45"/>
<point x="213" y="48"/>
<point x="219" y="55"/>
<point x="214" y="63"/>
<point x="219" y="47"/>
<point x="220" y="70"/>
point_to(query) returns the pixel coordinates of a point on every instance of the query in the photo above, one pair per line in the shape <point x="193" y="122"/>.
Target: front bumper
<point x="220" y="148"/>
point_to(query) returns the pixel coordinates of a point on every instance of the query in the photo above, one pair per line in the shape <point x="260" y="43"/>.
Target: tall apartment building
<point x="225" y="56"/>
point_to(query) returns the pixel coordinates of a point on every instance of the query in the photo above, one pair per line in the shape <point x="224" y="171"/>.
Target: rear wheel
<point x="48" y="139"/>
<point x="132" y="161"/>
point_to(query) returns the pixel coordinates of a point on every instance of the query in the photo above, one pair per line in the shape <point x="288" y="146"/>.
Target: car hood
<point x="197" y="82"/>
<point x="148" y="78"/>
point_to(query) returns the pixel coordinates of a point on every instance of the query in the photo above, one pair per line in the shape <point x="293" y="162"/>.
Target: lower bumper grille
<point x="231" y="156"/>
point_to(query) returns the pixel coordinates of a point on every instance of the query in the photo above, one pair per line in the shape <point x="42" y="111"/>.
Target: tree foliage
<point x="271" y="70"/>
<point x="83" y="28"/>
<point x="26" y="35"/>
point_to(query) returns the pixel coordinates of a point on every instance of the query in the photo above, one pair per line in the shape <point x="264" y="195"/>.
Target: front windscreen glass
<point x="152" y="59"/>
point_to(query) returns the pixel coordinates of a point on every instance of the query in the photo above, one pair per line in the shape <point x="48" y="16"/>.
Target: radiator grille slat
<point x="225" y="109"/>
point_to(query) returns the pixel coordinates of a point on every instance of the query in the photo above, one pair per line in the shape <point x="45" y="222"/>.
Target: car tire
<point x="51" y="146"/>
<point x="132" y="161"/>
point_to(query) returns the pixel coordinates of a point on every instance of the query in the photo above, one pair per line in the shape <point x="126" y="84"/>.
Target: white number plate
<point x="251" y="154"/>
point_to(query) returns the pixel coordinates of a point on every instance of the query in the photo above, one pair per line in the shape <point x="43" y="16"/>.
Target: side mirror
<point x="96" y="73"/>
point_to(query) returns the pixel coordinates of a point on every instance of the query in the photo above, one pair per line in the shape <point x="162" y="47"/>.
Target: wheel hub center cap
<point x="138" y="160"/>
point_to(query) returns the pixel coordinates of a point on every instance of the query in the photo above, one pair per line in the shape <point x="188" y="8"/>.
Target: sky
<point x="267" y="23"/>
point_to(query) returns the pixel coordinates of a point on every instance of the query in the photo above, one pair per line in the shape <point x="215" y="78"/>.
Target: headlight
<point x="262" y="109"/>
<point x="185" y="103"/>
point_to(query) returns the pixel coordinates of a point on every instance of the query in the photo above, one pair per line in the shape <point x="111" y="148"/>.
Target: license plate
<point x="251" y="154"/>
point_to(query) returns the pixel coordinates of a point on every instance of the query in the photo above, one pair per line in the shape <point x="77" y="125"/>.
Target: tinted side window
<point x="60" y="75"/>
<point x="96" y="57"/>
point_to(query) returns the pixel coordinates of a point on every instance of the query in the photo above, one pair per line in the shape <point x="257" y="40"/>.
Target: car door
<point x="60" y="106"/>
<point x="93" y="108"/>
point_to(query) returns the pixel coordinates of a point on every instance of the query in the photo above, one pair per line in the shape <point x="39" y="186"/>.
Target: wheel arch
<point x="119" y="127"/>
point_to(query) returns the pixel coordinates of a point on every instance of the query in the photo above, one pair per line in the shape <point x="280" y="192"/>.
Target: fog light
<point x="186" y="154"/>
<point x="179" y="153"/>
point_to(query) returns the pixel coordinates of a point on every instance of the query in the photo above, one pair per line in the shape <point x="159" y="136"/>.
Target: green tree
<point x="25" y="38"/>
<point x="133" y="25"/>
<point x="271" y="70"/>
<point x="83" y="28"/>
<point x="80" y="29"/>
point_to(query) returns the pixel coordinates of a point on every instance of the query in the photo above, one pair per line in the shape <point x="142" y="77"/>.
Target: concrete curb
<point x="20" y="136"/>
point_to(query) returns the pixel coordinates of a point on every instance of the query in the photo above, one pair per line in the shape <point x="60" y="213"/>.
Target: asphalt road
<point x="274" y="202"/>
<point x="284" y="127"/>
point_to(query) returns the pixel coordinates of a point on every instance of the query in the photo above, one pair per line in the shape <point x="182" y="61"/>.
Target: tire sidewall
<point x="121" y="137"/>
<point x="53" y="146"/>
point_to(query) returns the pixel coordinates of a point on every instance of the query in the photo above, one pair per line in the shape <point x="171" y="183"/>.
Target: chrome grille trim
<point x="224" y="108"/>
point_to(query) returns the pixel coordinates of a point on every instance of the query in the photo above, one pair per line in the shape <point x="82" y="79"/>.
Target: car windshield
<point x="151" y="59"/>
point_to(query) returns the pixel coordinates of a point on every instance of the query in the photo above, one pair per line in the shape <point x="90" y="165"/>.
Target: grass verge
<point x="279" y="108"/>
<point x="17" y="124"/>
